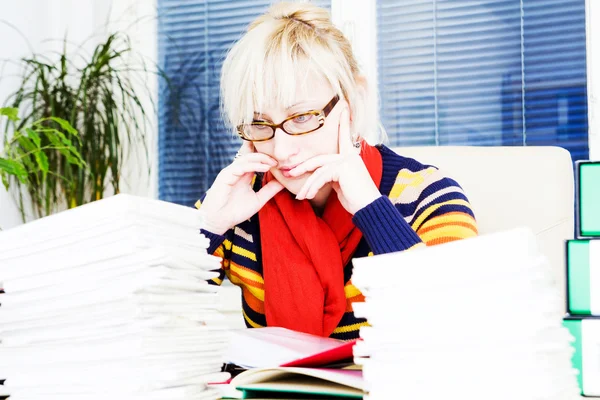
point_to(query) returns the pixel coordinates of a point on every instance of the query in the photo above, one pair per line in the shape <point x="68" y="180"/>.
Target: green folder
<point x="586" y="357"/>
<point x="300" y="383"/>
<point x="579" y="278"/>
<point x="298" y="388"/>
<point x="587" y="200"/>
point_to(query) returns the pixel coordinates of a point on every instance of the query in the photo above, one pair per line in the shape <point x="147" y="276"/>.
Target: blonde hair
<point x="281" y="46"/>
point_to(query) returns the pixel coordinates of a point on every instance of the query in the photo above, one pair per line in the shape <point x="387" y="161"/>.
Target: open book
<point x="280" y="347"/>
<point x="286" y="364"/>
<point x="293" y="382"/>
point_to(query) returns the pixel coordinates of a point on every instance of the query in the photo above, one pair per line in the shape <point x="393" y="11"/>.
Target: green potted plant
<point x="26" y="154"/>
<point x="98" y="97"/>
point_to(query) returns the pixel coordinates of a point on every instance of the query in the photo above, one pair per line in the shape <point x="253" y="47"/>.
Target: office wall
<point x="40" y="26"/>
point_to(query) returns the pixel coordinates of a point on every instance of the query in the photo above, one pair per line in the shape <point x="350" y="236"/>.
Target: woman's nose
<point x="284" y="145"/>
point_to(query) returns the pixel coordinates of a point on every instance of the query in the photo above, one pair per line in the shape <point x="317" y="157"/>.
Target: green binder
<point x="300" y="383"/>
<point x="587" y="200"/>
<point x="579" y="278"/>
<point x="586" y="357"/>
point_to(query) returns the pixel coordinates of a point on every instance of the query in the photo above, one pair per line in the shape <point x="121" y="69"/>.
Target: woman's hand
<point x="346" y="172"/>
<point x="231" y="199"/>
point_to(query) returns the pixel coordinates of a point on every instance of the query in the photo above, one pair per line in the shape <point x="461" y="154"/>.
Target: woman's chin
<point x="293" y="185"/>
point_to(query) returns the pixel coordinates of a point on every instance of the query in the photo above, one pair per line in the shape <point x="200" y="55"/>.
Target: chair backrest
<point x="513" y="186"/>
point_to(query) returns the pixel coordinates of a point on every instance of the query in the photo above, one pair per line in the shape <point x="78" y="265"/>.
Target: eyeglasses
<point x="296" y="125"/>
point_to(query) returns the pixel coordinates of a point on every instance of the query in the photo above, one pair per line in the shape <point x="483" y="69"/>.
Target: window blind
<point x="193" y="39"/>
<point x="490" y="72"/>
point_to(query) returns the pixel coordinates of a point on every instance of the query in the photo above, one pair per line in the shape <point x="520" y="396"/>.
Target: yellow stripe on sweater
<point x="448" y="231"/>
<point x="246" y="273"/>
<point x="350" y="328"/>
<point x="407" y="178"/>
<point x="244" y="253"/>
<point x="351" y="291"/>
<point x="456" y="216"/>
<point x="417" y="223"/>
<point x="219" y="252"/>
<point x="252" y="323"/>
<point x="218" y="281"/>
<point x="256" y="292"/>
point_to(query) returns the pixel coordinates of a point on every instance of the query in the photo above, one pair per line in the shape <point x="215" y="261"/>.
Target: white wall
<point x="12" y="47"/>
<point x="44" y="24"/>
<point x="358" y="20"/>
<point x="593" y="72"/>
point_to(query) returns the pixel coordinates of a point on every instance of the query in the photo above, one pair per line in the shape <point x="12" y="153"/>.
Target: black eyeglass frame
<point x="320" y="114"/>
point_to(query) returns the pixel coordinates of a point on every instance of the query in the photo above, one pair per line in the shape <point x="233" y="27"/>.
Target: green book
<point x="295" y="383"/>
<point x="587" y="200"/>
<point x="586" y="357"/>
<point x="583" y="277"/>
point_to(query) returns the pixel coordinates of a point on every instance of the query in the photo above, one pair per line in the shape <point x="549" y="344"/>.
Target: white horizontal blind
<point x="491" y="72"/>
<point x="194" y="37"/>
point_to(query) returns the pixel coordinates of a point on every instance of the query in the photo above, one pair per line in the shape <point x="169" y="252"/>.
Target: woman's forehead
<point x="308" y="88"/>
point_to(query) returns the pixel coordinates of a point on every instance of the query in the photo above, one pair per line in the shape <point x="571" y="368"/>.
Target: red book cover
<point x="279" y="347"/>
<point x="330" y="356"/>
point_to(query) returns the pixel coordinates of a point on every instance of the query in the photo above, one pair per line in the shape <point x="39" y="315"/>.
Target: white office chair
<point x="513" y="186"/>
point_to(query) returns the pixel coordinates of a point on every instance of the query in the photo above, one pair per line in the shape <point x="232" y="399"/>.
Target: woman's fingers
<point x="315" y="182"/>
<point x="268" y="191"/>
<point x="313" y="163"/>
<point x="327" y="176"/>
<point x="257" y="157"/>
<point x="241" y="168"/>
<point x="233" y="173"/>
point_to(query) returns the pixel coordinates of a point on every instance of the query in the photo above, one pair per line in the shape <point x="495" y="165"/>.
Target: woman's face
<point x="289" y="150"/>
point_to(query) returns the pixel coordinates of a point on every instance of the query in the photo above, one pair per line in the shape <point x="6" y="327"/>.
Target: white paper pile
<point x="473" y="319"/>
<point x="110" y="301"/>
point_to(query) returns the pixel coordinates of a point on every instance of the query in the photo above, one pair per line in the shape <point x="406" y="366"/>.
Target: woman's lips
<point x="285" y="171"/>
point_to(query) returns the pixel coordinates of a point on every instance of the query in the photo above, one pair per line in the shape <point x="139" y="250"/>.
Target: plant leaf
<point x="15" y="168"/>
<point x="42" y="161"/>
<point x="64" y="146"/>
<point x="26" y="144"/>
<point x="4" y="179"/>
<point x="64" y="124"/>
<point x="11" y="113"/>
<point x="33" y="135"/>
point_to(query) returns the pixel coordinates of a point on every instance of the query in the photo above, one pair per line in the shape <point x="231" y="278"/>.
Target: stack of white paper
<point x="110" y="301"/>
<point x="473" y="319"/>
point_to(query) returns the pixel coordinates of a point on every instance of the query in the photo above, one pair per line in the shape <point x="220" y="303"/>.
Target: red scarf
<point x="304" y="255"/>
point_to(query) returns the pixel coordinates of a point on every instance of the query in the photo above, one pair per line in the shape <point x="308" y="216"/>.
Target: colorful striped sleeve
<point x="434" y="205"/>
<point x="384" y="227"/>
<point x="424" y="207"/>
<point x="219" y="246"/>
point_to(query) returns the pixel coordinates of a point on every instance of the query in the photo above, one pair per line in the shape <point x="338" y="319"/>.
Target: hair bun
<point x="301" y="12"/>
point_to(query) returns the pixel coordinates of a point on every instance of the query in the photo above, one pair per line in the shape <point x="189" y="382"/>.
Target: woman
<point x="307" y="193"/>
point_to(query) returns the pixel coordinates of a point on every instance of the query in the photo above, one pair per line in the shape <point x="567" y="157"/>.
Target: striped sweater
<point x="420" y="206"/>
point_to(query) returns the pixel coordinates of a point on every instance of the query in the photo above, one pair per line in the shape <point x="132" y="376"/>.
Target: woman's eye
<point x="302" y="118"/>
